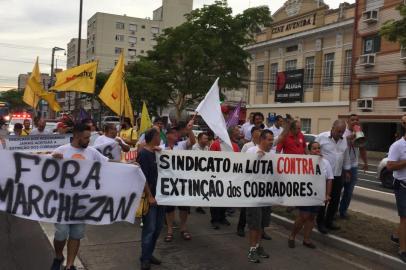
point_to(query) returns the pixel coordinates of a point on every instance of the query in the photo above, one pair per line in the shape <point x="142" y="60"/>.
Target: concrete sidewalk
<point x="118" y="247"/>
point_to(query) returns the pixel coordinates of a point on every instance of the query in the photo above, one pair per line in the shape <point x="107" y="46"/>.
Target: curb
<point x="348" y="246"/>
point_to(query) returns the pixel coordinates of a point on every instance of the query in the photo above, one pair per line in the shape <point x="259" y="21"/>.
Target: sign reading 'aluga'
<point x="227" y="179"/>
<point x="289" y="86"/>
<point x="69" y="191"/>
<point x="35" y="143"/>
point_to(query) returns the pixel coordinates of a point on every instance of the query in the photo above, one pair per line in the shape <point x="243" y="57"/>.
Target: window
<point x="118" y="50"/>
<point x="273" y="74"/>
<point x="132" y="52"/>
<point x="328" y="69"/>
<point x="142" y="51"/>
<point x="402" y="86"/>
<point x="132" y="39"/>
<point x="119" y="37"/>
<point x="132" y="27"/>
<point x="347" y="67"/>
<point x="260" y="80"/>
<point x="143" y="26"/>
<point x="306" y="124"/>
<point x="292" y="48"/>
<point x="154" y="30"/>
<point x="119" y="25"/>
<point x="369" y="88"/>
<point x="309" y="72"/>
<point x="142" y="39"/>
<point x="372" y="44"/>
<point x="290" y="65"/>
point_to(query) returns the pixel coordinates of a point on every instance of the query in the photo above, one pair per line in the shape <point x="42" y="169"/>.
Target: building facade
<point x="378" y="92"/>
<point x="301" y="64"/>
<point x="108" y="34"/>
<point x="72" y="52"/>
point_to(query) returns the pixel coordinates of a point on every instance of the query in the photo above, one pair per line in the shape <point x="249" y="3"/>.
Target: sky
<point x="30" y="28"/>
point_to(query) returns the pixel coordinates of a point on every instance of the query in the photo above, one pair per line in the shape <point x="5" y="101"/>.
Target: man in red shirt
<point x="218" y="214"/>
<point x="292" y="140"/>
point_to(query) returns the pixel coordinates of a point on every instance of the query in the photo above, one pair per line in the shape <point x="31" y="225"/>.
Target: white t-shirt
<point x="197" y="147"/>
<point x="88" y="153"/>
<point x="352" y="151"/>
<point x="255" y="149"/>
<point x="35" y="131"/>
<point x="103" y="139"/>
<point x="397" y="152"/>
<point x="326" y="168"/>
<point x="182" y="145"/>
<point x="246" y="129"/>
<point x="247" y="146"/>
<point x="276" y="131"/>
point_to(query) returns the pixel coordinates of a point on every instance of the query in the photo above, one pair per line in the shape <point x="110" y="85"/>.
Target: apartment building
<point x="378" y="92"/>
<point x="301" y="64"/>
<point x="72" y="52"/>
<point x="108" y="34"/>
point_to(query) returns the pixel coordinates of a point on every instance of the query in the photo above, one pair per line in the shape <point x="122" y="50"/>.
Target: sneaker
<point x="322" y="229"/>
<point x="155" y="261"/>
<point x="71" y="268"/>
<point x="145" y="265"/>
<point x="57" y="264"/>
<point x="253" y="256"/>
<point x="402" y="256"/>
<point x="261" y="252"/>
<point x="394" y="239"/>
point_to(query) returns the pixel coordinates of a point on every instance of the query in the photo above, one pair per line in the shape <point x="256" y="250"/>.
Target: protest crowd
<point x="339" y="166"/>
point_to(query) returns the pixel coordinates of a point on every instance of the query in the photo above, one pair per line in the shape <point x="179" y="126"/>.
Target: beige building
<point x="314" y="43"/>
<point x="108" y="34"/>
<point x="72" y="52"/>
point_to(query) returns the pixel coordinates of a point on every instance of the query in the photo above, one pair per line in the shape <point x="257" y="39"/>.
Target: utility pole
<point x="78" y="55"/>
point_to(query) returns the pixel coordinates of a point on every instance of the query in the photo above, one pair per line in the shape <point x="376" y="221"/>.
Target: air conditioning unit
<point x="402" y="102"/>
<point x="403" y="53"/>
<point x="365" y="104"/>
<point x="370" y="16"/>
<point x="367" y="60"/>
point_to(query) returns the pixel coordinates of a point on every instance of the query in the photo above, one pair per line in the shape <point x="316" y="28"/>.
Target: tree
<point x="14" y="98"/>
<point x="210" y="44"/>
<point x="396" y="30"/>
<point x="145" y="83"/>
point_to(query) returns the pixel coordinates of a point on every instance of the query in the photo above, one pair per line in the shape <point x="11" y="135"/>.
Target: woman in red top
<point x="292" y="140"/>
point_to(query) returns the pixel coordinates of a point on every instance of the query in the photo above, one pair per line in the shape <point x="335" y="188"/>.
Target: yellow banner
<point x="78" y="79"/>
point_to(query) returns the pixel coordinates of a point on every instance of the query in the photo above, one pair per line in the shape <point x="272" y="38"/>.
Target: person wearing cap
<point x="61" y="128"/>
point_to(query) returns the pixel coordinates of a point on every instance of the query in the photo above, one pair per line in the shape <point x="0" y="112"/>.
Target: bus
<point x="5" y="110"/>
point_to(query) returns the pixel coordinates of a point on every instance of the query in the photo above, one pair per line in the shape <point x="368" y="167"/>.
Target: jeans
<point x="218" y="214"/>
<point x="243" y="219"/>
<point x="326" y="217"/>
<point x="153" y="223"/>
<point x="348" y="189"/>
<point x="69" y="231"/>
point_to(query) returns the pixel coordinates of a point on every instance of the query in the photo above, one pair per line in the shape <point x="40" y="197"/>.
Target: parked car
<point x="384" y="175"/>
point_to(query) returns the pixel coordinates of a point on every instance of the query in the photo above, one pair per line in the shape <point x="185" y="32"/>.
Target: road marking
<point x="370" y="172"/>
<point x="374" y="190"/>
<point x="367" y="180"/>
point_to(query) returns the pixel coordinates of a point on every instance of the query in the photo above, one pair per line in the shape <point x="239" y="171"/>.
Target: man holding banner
<point x="259" y="217"/>
<point x="73" y="233"/>
<point x="110" y="139"/>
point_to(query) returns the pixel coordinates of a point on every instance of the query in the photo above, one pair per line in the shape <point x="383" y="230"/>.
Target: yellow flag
<point x="40" y="92"/>
<point x="115" y="93"/>
<point x="29" y="95"/>
<point x="79" y="79"/>
<point x="146" y="122"/>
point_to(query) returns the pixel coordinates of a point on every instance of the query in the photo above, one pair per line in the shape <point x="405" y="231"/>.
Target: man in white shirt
<point x="40" y="130"/>
<point x="397" y="164"/>
<point x="247" y="126"/>
<point x="355" y="153"/>
<point x="73" y="233"/>
<point x="334" y="148"/>
<point x="259" y="217"/>
<point x="277" y="128"/>
<point x="110" y="137"/>
<point x="202" y="142"/>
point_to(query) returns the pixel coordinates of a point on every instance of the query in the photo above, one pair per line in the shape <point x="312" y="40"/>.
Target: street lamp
<point x="54" y="49"/>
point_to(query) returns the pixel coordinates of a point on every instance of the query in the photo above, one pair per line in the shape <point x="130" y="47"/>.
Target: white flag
<point x="210" y="111"/>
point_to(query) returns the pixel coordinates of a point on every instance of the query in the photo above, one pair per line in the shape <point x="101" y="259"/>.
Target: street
<point x="371" y="198"/>
<point x="118" y="247"/>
